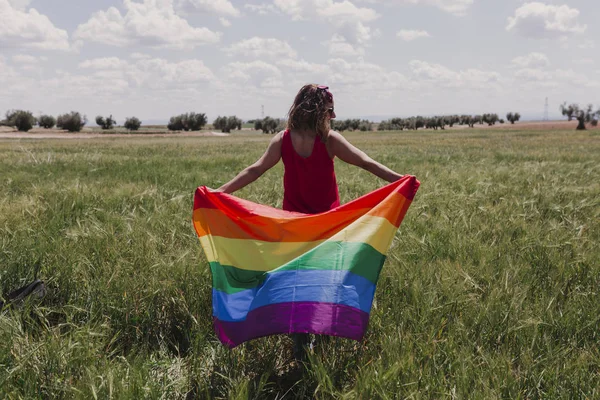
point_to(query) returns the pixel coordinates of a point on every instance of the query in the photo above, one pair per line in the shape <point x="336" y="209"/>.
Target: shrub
<point x="107" y="123"/>
<point x="513" y="117"/>
<point x="270" y="125"/>
<point x="20" y="119"/>
<point x="46" y="121"/>
<point x="175" y="123"/>
<point x="187" y="122"/>
<point x="226" y="124"/>
<point x="194" y="121"/>
<point x="351" y="124"/>
<point x="72" y="122"/>
<point x="24" y="121"/>
<point x="132" y="124"/>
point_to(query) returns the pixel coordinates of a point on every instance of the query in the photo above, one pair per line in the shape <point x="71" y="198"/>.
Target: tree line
<point x="73" y="122"/>
<point x="192" y="121"/>
<point x="274" y="125"/>
<point x="441" y="122"/>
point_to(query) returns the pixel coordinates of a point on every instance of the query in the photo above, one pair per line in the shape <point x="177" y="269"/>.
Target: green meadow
<point x="491" y="288"/>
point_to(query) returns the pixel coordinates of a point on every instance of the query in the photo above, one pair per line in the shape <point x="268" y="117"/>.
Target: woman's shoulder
<point x="278" y="138"/>
<point x="334" y="136"/>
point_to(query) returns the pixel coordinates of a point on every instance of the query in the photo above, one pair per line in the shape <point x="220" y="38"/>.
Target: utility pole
<point x="546" y="110"/>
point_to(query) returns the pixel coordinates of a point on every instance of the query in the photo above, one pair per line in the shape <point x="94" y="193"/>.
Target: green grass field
<point x="491" y="288"/>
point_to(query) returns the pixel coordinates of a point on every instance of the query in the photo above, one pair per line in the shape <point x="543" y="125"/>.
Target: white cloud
<point x="14" y="83"/>
<point x="348" y="19"/>
<point x="20" y="28"/>
<point x="301" y="66"/>
<point x="19" y="4"/>
<point x="262" y="9"/>
<point x="358" y="76"/>
<point x="139" y="56"/>
<point x="219" y="7"/>
<point x="339" y="47"/>
<point x="470" y="78"/>
<point x="151" y="23"/>
<point x="410" y="35"/>
<point x="255" y="73"/>
<point x="161" y="74"/>
<point x="587" y="44"/>
<point x="584" y="61"/>
<point x="344" y="11"/>
<point x="539" y="20"/>
<point x="533" y="75"/>
<point x="456" y="7"/>
<point x="104" y="63"/>
<point x="6" y="71"/>
<point x="137" y="78"/>
<point x="27" y="59"/>
<point x="225" y="22"/>
<point x="532" y="60"/>
<point x="262" y="48"/>
<point x="538" y="78"/>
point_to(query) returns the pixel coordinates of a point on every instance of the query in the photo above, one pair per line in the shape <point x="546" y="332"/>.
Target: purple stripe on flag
<point x="298" y="317"/>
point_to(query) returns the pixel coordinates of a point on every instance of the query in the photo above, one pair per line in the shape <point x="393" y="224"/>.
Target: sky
<point x="156" y="58"/>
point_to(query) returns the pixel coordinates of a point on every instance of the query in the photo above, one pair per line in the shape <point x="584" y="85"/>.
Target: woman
<point x="308" y="148"/>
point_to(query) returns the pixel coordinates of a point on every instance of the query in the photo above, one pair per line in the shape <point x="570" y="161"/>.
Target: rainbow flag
<point x="276" y="271"/>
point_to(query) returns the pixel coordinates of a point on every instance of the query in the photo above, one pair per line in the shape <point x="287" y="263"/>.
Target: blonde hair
<point x="310" y="110"/>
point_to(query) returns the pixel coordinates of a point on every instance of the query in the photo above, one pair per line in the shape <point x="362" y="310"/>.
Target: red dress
<point x="309" y="184"/>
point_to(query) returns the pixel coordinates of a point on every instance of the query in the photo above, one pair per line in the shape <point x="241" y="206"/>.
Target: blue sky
<point x="157" y="58"/>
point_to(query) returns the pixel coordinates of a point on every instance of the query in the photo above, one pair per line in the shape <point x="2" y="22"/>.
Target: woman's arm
<point x="268" y="160"/>
<point x="345" y="151"/>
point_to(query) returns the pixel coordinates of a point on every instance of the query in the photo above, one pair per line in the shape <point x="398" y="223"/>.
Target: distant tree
<point x="270" y="125"/>
<point x="234" y="122"/>
<point x="431" y="123"/>
<point x="226" y="124"/>
<point x="587" y="116"/>
<point x="581" y="119"/>
<point x="73" y="122"/>
<point x="107" y="123"/>
<point x="450" y="120"/>
<point x="490" y="119"/>
<point x="20" y="119"/>
<point x="46" y="121"/>
<point x="175" y="123"/>
<point x="187" y="122"/>
<point x="339" y="125"/>
<point x="132" y="124"/>
<point x="513" y="117"/>
<point x="570" y="111"/>
<point x="365" y="126"/>
<point x="466" y="120"/>
<point x="594" y="118"/>
<point x="194" y="121"/>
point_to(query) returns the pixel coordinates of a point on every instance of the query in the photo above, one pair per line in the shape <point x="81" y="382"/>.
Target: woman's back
<point x="309" y="180"/>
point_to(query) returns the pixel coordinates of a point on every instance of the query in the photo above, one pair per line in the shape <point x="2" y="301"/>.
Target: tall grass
<point x="490" y="290"/>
